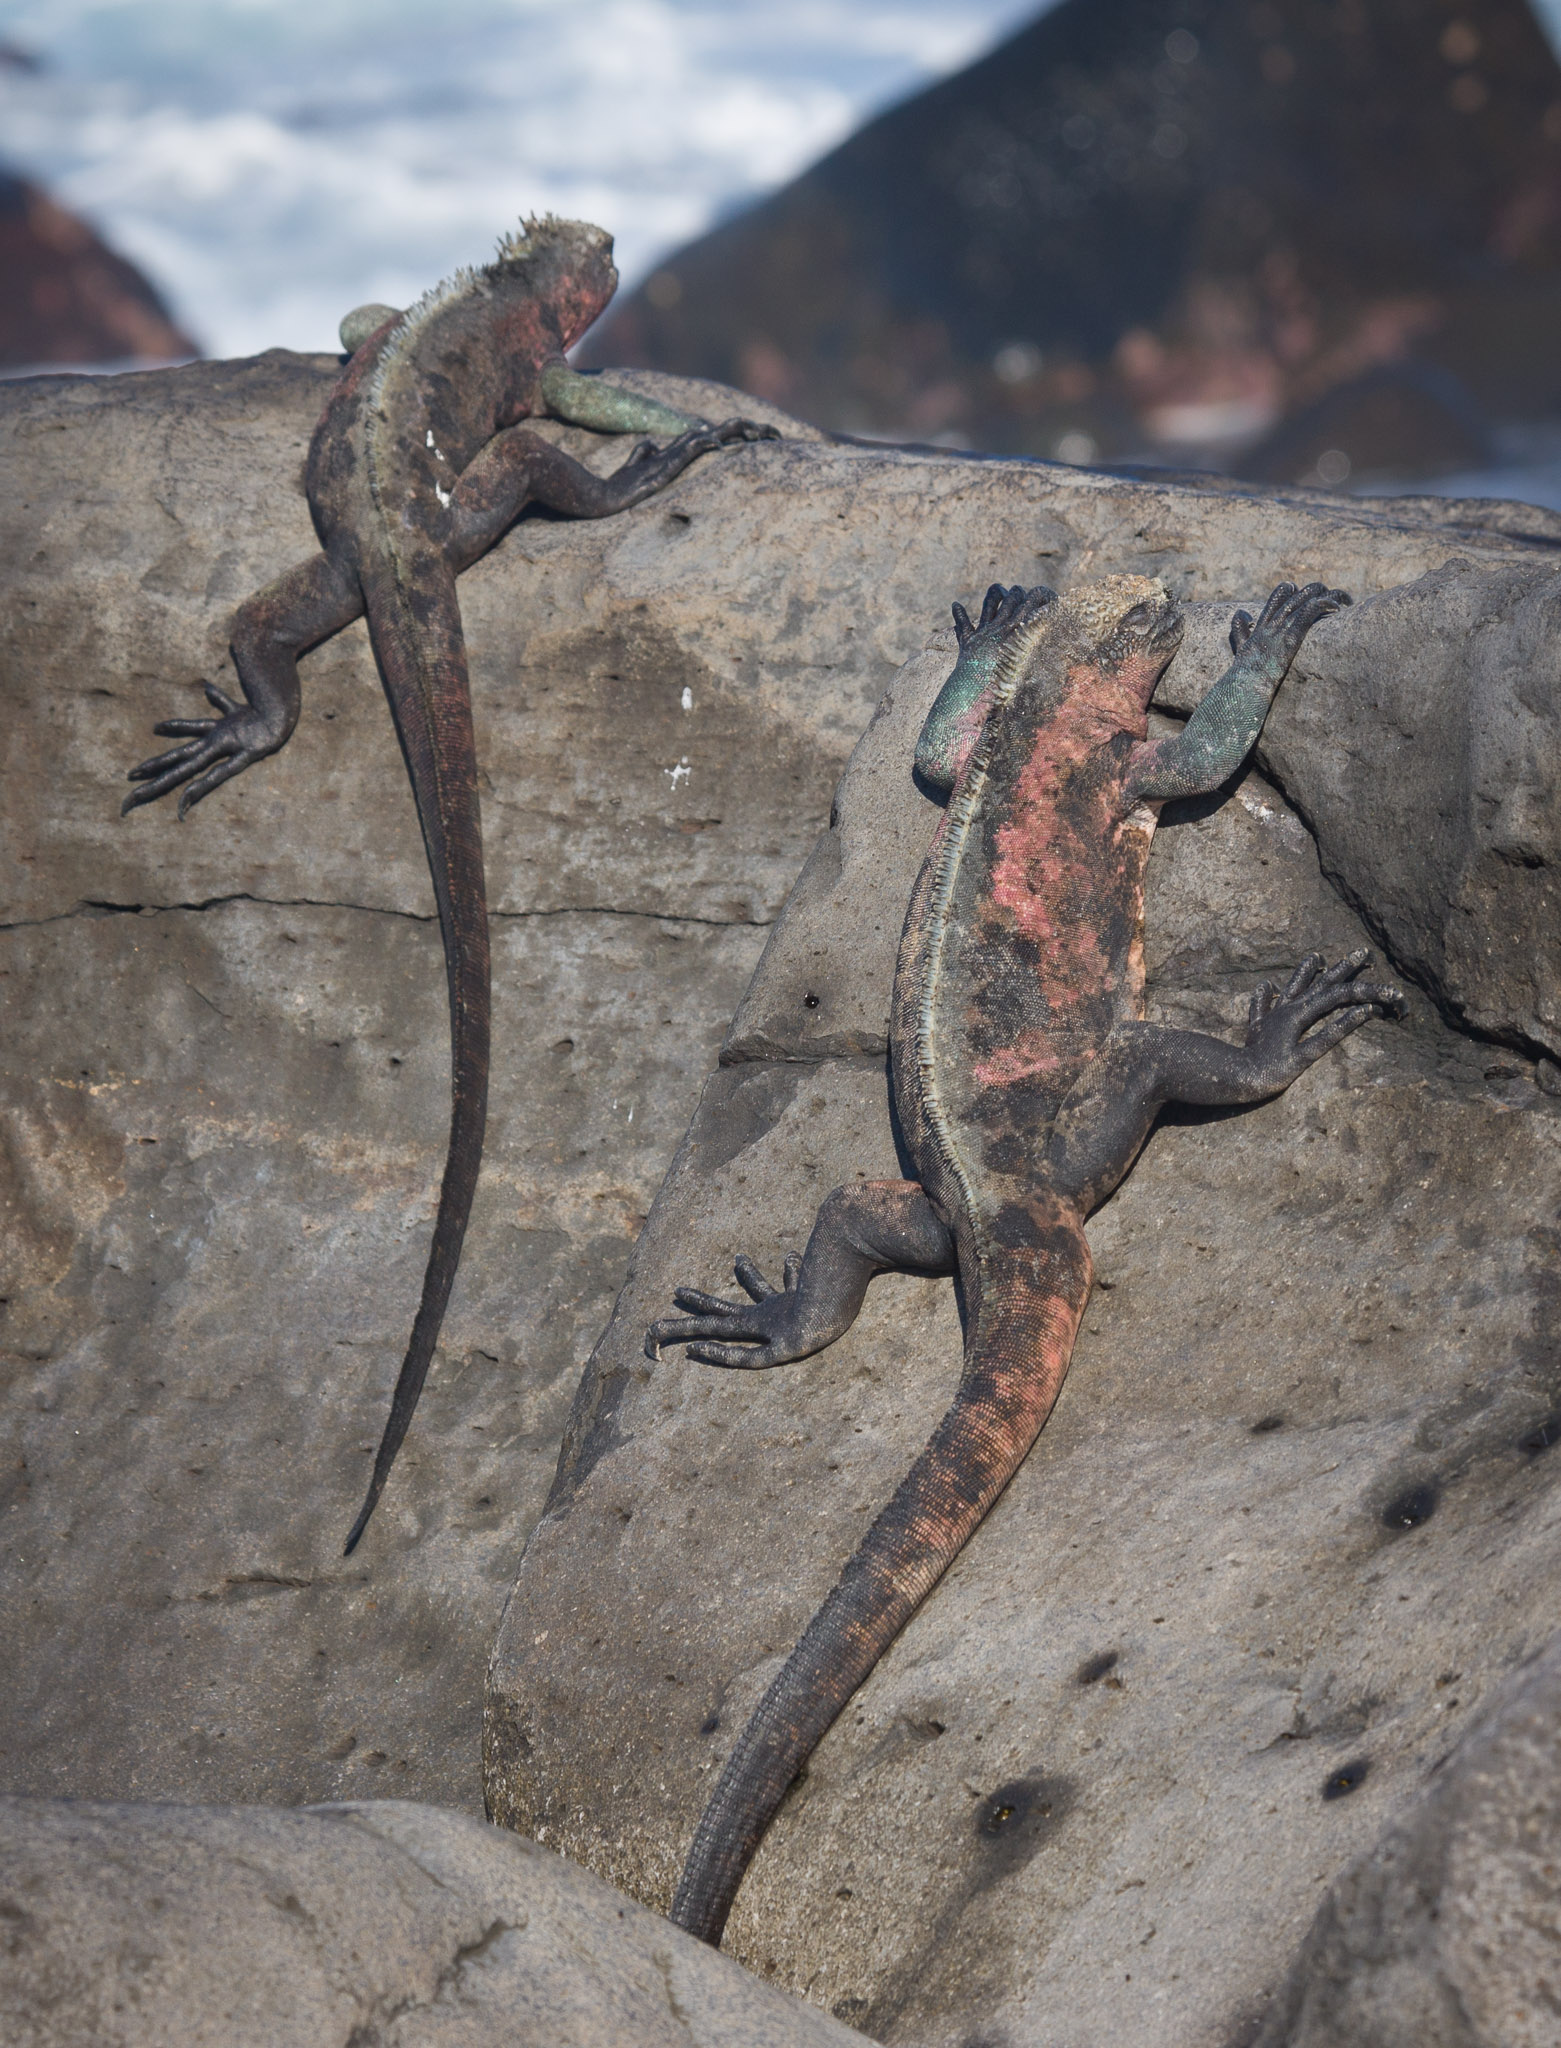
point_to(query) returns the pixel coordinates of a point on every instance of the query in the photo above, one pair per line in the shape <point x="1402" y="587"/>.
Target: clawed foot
<point x="1002" y="610"/>
<point x="1286" y="619"/>
<point x="701" y="440"/>
<point x="214" y="751"/>
<point x="1279" y="1024"/>
<point x="758" y="1331"/>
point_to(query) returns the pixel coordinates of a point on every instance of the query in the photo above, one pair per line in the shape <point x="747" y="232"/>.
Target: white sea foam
<point x="271" y="163"/>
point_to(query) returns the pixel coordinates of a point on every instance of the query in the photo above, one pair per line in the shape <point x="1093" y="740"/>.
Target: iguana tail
<point x="422" y="660"/>
<point x="1032" y="1297"/>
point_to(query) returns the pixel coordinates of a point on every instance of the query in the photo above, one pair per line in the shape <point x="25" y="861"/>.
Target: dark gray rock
<point x="1447" y="1934"/>
<point x="1419" y="735"/>
<point x="1193" y="1657"/>
<point x="381" y="1922"/>
<point x="1423" y="745"/>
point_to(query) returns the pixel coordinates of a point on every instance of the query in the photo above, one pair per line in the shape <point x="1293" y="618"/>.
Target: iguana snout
<point x="1150" y="633"/>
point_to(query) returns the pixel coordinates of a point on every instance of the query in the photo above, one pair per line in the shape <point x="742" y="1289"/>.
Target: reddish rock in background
<point x="68" y="298"/>
<point x="1303" y="238"/>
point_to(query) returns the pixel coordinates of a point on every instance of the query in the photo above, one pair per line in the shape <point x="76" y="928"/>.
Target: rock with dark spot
<point x="379" y="1922"/>
<point x="1447" y="1932"/>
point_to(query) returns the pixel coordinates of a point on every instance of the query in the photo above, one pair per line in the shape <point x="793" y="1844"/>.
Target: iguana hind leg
<point x="872" y="1226"/>
<point x="270" y="631"/>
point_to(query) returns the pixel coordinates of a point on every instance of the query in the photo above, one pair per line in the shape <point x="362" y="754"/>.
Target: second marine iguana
<point x="1026" y="1081"/>
<point x="417" y="467"/>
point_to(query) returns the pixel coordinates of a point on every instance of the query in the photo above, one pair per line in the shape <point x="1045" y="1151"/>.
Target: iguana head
<point x="1133" y="625"/>
<point x="564" y="267"/>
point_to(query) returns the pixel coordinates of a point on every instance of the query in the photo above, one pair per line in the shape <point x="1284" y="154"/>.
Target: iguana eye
<point x="1140" y="618"/>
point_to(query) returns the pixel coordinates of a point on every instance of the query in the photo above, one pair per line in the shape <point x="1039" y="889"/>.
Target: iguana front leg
<point x="954" y="723"/>
<point x="518" y="468"/>
<point x="1224" y="729"/>
<point x="606" y="408"/>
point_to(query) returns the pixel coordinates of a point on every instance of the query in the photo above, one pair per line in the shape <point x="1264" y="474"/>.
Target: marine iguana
<point x="417" y="467"/>
<point x="1025" y="1080"/>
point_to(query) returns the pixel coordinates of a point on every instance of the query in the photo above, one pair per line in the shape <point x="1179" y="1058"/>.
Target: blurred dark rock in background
<point x="68" y="298"/>
<point x="1307" y="240"/>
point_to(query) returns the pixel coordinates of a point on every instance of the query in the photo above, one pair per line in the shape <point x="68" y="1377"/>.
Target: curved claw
<point x="1264" y="997"/>
<point x="1288" y="615"/>
<point x="159" y="762"/>
<point x="1274" y="604"/>
<point x="733" y="1357"/>
<point x="1319" y="1006"/>
<point x="699" y="1303"/>
<point x="1305" y="974"/>
<point x="1373" y="995"/>
<point x="747" y="430"/>
<point x="1003" y="607"/>
<point x="215" y="776"/>
<point x="1345" y="969"/>
<point x="751" y="1280"/>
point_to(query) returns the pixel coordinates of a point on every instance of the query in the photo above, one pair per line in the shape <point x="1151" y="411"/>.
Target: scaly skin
<point x="1026" y="1081"/>
<point x="419" y="464"/>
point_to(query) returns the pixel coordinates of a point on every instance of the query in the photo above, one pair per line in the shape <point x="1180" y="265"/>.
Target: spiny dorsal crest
<point x="544" y="234"/>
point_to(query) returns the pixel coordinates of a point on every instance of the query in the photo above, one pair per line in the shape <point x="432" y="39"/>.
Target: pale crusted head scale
<point x="543" y="236"/>
<point x="1112" y="620"/>
<point x="1124" y="621"/>
<point x="1095" y="608"/>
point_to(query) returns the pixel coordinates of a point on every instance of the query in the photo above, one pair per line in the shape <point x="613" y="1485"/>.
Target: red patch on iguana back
<point x="1059" y="849"/>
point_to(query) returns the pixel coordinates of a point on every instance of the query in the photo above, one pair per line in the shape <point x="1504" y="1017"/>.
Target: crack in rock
<point x="92" y="907"/>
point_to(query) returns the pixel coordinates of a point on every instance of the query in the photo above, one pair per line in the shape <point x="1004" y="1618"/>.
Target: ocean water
<point x="272" y="163"/>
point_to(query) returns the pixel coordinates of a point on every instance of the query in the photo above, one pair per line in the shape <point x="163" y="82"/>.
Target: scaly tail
<point x="1030" y="1305"/>
<point x="423" y="664"/>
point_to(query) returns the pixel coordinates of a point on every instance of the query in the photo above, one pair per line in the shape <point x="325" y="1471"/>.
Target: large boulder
<point x="223" y="1077"/>
<point x="383" y="1923"/>
<point x="1204" y="1647"/>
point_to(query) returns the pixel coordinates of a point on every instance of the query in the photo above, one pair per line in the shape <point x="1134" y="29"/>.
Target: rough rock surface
<point x="1204" y="1646"/>
<point x="1448" y="1933"/>
<point x="223" y="1077"/>
<point x="340" y="1926"/>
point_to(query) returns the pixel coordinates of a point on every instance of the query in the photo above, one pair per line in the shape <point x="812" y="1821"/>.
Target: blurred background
<point x="1298" y="241"/>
